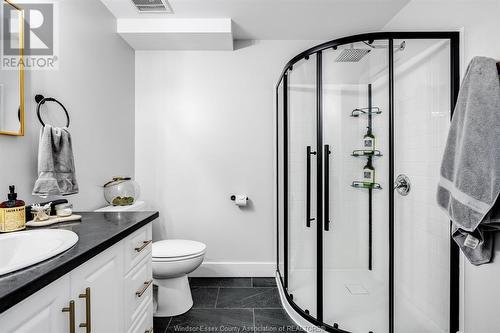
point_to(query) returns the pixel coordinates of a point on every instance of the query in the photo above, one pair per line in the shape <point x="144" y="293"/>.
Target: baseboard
<point x="235" y="269"/>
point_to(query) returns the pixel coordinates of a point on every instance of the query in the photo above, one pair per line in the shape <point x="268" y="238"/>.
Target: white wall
<point x="95" y="82"/>
<point x="479" y="19"/>
<point x="204" y="130"/>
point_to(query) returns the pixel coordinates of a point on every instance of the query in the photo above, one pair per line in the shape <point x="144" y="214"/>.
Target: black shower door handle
<point x="308" y="186"/>
<point x="326" y="179"/>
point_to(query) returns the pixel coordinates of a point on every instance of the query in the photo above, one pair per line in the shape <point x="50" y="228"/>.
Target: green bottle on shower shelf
<point x="369" y="141"/>
<point x="368" y="174"/>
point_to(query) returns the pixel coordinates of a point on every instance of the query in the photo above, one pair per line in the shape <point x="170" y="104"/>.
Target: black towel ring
<point x="40" y="99"/>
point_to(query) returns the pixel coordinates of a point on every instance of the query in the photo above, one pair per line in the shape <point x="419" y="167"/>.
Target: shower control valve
<point x="402" y="185"/>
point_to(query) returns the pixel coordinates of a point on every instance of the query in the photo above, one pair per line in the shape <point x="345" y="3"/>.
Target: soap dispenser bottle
<point x="369" y="141"/>
<point x="368" y="174"/>
<point x="12" y="213"/>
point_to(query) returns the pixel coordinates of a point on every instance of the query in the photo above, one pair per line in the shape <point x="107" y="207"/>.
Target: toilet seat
<point x="178" y="258"/>
<point x="177" y="249"/>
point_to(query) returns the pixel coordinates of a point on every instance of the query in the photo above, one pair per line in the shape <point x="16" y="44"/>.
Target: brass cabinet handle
<point x="144" y="288"/>
<point x="71" y="310"/>
<point x="149" y="331"/>
<point x="143" y="246"/>
<point x="88" y="321"/>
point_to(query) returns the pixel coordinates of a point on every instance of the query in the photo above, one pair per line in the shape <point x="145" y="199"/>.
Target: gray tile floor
<point x="231" y="305"/>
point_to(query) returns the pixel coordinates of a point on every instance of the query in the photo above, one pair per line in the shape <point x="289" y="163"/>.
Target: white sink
<point x="25" y="248"/>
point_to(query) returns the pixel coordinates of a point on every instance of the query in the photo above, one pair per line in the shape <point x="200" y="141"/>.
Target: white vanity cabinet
<point x="96" y="287"/>
<point x="110" y="293"/>
<point x="40" y="312"/>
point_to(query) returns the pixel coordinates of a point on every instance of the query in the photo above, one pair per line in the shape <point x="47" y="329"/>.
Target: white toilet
<point x="173" y="259"/>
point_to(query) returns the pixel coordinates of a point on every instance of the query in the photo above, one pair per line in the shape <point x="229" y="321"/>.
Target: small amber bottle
<point x="12" y="213"/>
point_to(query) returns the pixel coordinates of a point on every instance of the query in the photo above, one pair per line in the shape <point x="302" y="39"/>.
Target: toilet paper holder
<point x="233" y="197"/>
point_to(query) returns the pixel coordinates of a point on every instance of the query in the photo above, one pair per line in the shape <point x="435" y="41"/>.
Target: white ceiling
<point x="279" y="19"/>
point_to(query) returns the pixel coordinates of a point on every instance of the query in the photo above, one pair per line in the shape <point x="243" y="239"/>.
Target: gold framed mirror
<point x="12" y="79"/>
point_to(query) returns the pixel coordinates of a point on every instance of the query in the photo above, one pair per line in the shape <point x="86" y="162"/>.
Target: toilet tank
<point x="137" y="206"/>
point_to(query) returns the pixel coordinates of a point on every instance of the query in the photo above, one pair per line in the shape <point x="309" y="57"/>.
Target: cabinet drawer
<point x="137" y="246"/>
<point x="144" y="323"/>
<point x="138" y="292"/>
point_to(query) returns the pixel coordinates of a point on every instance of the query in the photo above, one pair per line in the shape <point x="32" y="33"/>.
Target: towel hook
<point x="40" y="99"/>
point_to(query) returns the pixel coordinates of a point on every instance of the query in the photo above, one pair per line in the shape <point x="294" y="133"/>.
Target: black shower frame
<point x="454" y="38"/>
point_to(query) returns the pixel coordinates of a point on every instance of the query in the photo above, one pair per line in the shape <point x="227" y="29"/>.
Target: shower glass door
<point x="302" y="184"/>
<point x="281" y="160"/>
<point x="422" y="106"/>
<point x="362" y="123"/>
<point x="355" y="237"/>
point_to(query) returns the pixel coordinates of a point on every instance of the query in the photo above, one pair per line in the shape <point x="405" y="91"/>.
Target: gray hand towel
<point x="56" y="167"/>
<point x="470" y="171"/>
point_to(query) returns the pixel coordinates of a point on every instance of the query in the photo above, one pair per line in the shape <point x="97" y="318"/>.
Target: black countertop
<point x="97" y="231"/>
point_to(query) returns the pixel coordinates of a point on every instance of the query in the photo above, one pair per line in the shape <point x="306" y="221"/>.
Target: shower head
<point x="352" y="55"/>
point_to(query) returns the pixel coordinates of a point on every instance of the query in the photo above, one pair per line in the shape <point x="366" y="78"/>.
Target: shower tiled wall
<point x="422" y="117"/>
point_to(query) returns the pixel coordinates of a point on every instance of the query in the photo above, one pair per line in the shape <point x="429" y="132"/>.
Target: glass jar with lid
<point x="121" y="191"/>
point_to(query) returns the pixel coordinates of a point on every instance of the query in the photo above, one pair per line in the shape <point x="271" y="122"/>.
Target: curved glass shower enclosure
<point x="361" y="125"/>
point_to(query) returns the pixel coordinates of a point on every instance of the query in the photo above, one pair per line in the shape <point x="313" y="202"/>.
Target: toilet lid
<point x="172" y="248"/>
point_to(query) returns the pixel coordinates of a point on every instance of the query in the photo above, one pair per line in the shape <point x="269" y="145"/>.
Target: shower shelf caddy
<point x="369" y="154"/>
<point x="365" y="153"/>
<point x="369" y="111"/>
<point x="371" y="186"/>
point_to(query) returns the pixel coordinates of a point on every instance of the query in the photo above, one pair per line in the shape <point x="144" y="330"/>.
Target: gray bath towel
<point x="477" y="245"/>
<point x="56" y="167"/>
<point x="470" y="171"/>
